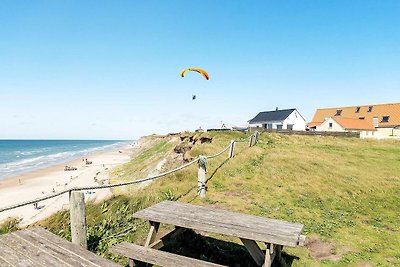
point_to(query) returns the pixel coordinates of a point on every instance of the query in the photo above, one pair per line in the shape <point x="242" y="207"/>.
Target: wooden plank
<point x="53" y="250"/>
<point x="13" y="257"/>
<point x="152" y="233"/>
<point x="302" y="240"/>
<point x="73" y="248"/>
<point x="254" y="250"/>
<point x="170" y="235"/>
<point x="153" y="256"/>
<point x="269" y="254"/>
<point x="37" y="256"/>
<point x="223" y="222"/>
<point x="3" y="263"/>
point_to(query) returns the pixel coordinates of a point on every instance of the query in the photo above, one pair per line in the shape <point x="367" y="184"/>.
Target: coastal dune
<point x="52" y="179"/>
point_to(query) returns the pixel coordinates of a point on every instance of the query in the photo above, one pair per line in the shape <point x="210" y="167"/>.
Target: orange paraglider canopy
<point x="202" y="72"/>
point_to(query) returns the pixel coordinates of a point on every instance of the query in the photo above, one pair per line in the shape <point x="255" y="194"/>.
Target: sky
<point x="110" y="69"/>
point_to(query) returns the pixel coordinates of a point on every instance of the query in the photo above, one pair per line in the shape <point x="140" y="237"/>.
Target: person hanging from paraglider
<point x="201" y="71"/>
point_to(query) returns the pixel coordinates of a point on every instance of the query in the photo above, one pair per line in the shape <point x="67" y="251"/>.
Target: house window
<point x="269" y="126"/>
<point x="358" y="109"/>
<point x="338" y="112"/>
<point x="385" y="119"/>
<point x="369" y="108"/>
<point x="330" y="125"/>
<point x="279" y="126"/>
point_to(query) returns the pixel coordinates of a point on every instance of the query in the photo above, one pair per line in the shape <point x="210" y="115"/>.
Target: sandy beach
<point x="41" y="182"/>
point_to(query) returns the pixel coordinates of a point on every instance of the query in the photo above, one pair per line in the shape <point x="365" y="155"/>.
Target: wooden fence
<point x="77" y="199"/>
<point x="312" y="133"/>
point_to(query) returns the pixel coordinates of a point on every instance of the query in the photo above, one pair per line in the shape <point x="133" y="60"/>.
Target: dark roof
<point x="275" y="115"/>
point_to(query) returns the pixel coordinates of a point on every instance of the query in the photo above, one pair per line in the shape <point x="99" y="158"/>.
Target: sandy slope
<point x="41" y="182"/>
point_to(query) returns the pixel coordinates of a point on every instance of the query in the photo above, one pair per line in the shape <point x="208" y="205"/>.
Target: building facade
<point x="372" y="121"/>
<point x="285" y="119"/>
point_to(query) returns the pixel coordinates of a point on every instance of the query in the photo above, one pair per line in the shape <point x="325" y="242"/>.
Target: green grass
<point x="344" y="190"/>
<point x="8" y="226"/>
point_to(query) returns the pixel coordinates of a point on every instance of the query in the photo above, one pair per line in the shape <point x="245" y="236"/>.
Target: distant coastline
<point x="18" y="157"/>
<point x="54" y="178"/>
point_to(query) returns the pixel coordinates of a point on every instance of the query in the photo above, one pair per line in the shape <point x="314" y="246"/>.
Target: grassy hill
<point x="344" y="190"/>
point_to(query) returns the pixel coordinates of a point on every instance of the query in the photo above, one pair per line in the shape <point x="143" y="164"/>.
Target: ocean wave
<point x="20" y="166"/>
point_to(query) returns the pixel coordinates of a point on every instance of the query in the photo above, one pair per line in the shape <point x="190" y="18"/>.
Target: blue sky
<point x="110" y="69"/>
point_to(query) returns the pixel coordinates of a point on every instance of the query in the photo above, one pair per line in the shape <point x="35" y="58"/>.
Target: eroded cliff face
<point x="187" y="143"/>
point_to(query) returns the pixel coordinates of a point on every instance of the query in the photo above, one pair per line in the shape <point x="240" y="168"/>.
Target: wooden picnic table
<point x="249" y="228"/>
<point x="38" y="247"/>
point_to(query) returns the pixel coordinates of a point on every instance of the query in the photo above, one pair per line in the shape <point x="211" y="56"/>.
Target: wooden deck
<point x="224" y="222"/>
<point x="38" y="247"/>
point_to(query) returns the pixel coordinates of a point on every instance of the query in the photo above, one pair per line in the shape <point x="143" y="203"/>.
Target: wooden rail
<point x="77" y="200"/>
<point x="311" y="133"/>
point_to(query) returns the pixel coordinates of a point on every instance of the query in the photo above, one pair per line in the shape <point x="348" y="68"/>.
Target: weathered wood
<point x="254" y="250"/>
<point x="16" y="258"/>
<point x="257" y="135"/>
<point x="201" y="177"/>
<point x="152" y="233"/>
<point x="4" y="263"/>
<point x="167" y="236"/>
<point x="302" y="240"/>
<point x="83" y="254"/>
<point x="223" y="222"/>
<point x="232" y="149"/>
<point x="251" y="141"/>
<point x="270" y="253"/>
<point x="160" y="258"/>
<point x="311" y="133"/>
<point x="34" y="254"/>
<point x="78" y="218"/>
<point x="67" y="257"/>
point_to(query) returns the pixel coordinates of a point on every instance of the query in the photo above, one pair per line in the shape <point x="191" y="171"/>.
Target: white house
<point x="284" y="119"/>
<point x="377" y="121"/>
<point x="340" y="124"/>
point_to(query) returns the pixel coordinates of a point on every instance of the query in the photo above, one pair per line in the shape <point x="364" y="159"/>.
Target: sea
<point x="21" y="156"/>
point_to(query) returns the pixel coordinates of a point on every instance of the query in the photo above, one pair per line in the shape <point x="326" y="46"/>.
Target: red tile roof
<point x="354" y="124"/>
<point x="355" y="112"/>
<point x="313" y="124"/>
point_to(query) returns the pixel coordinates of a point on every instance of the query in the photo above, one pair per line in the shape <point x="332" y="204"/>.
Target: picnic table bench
<point x="38" y="247"/>
<point x="274" y="234"/>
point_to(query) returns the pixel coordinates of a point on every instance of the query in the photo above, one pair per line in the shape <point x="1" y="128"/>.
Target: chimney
<point x="375" y="121"/>
<point x="276" y="109"/>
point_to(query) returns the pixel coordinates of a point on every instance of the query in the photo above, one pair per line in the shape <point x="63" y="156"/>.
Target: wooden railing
<point x="312" y="133"/>
<point x="77" y="199"/>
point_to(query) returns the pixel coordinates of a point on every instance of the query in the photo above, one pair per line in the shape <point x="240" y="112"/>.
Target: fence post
<point x="251" y="141"/>
<point x="201" y="176"/>
<point x="78" y="218"/>
<point x="232" y="149"/>
<point x="257" y="135"/>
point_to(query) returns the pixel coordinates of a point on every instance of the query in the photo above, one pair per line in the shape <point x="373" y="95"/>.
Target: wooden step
<point x="153" y="256"/>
